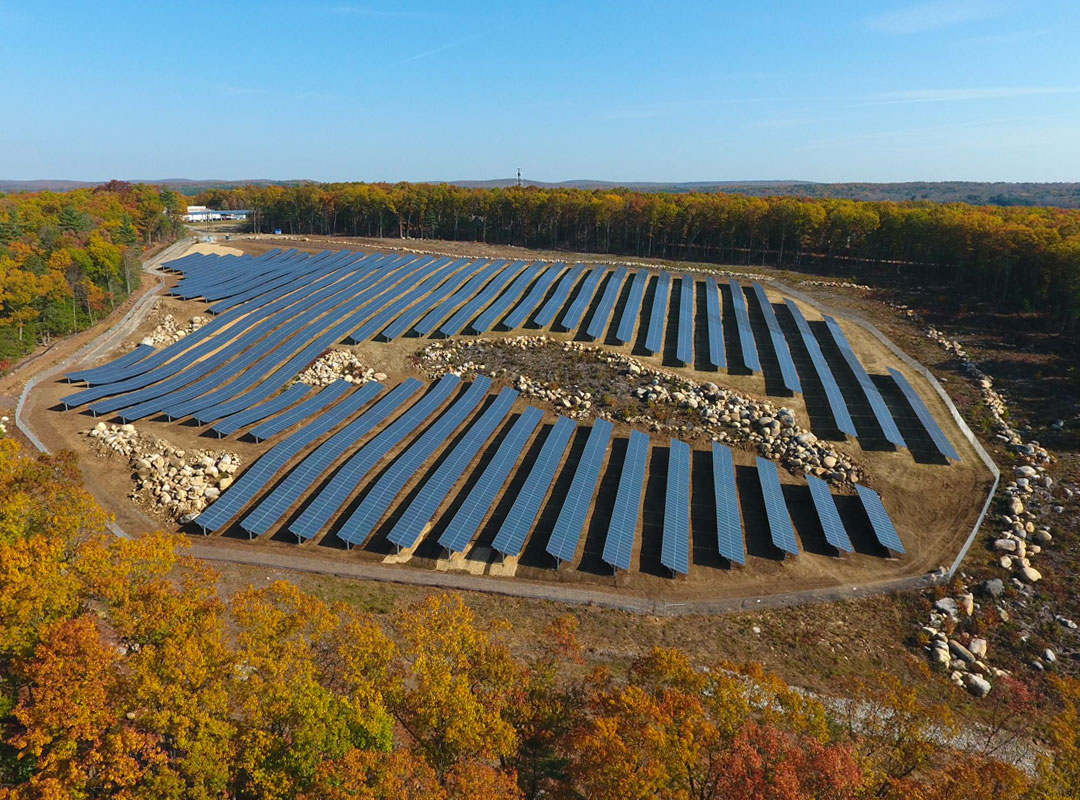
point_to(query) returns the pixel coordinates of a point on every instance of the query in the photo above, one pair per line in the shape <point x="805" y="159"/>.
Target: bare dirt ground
<point x="933" y="505"/>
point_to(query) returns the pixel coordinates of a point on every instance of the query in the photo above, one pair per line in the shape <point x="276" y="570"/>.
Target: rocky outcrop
<point x="170" y="331"/>
<point x="338" y="365"/>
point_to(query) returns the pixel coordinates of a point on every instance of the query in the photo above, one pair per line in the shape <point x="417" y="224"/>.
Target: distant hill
<point x="182" y="185"/>
<point x="1064" y="195"/>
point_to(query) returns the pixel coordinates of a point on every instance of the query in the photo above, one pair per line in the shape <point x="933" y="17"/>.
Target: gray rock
<point x="948" y="605"/>
<point x="993" y="587"/>
<point x="976" y="684"/>
<point x="960" y="651"/>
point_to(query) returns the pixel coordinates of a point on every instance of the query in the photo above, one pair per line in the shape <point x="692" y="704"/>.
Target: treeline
<point x="125" y="673"/>
<point x="66" y="259"/>
<point x="1025" y="259"/>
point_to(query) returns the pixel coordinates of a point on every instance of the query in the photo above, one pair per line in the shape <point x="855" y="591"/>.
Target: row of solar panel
<point x="430" y="427"/>
<point x="455" y="288"/>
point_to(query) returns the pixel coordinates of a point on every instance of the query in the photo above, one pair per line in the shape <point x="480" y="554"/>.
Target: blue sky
<point x="631" y="90"/>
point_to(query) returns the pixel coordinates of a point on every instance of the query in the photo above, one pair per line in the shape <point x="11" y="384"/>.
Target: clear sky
<point x="618" y="90"/>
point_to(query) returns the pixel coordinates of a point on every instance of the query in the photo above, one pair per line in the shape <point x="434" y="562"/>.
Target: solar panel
<point x="431" y="320"/>
<point x="632" y="309"/>
<point x="456" y="324"/>
<point x="497" y="309"/>
<point x="294" y="394"/>
<point x="466" y="522"/>
<point x="742" y="322"/>
<point x="873" y="396"/>
<point x="522" y="515"/>
<point x="140" y="352"/>
<point x="572" y="318"/>
<point x="729" y="534"/>
<point x="780" y="528"/>
<point x="833" y="394"/>
<point x="937" y="435"/>
<point x="783" y="354"/>
<point x="546" y="315"/>
<point x="317" y="465"/>
<point x="333" y="495"/>
<point x="599" y="321"/>
<point x="575" y="507"/>
<point x="410" y="525"/>
<point x="684" y="343"/>
<point x="521" y="312"/>
<point x="363" y="520"/>
<point x="831" y="524"/>
<point x="675" y="548"/>
<point x="715" y="323"/>
<point x="256" y="477"/>
<point x="390" y="330"/>
<point x="619" y="542"/>
<point x="879" y="519"/>
<point x="654" y="338"/>
<point x="313" y="405"/>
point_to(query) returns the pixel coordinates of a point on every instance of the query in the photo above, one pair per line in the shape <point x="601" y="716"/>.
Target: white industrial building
<point x="204" y="214"/>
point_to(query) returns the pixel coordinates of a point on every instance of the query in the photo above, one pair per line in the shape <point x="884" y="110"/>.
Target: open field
<point x="933" y="505"/>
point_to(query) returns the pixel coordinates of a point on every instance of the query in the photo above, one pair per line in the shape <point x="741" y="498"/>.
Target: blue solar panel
<point x="783" y="355"/>
<point x="571" y="521"/>
<point x="622" y="530"/>
<point x="412" y="522"/>
<point x="873" y="396"/>
<point x="675" y="548"/>
<point x="318" y="465"/>
<point x="497" y="309"/>
<point x="831" y="524"/>
<point x="780" y="528"/>
<point x="729" y="534"/>
<point x="742" y="322"/>
<point x="294" y="394"/>
<point x="654" y="338"/>
<point x="466" y="522"/>
<point x="440" y="311"/>
<point x="256" y="477"/>
<point x="879" y="519"/>
<point x="140" y="352"/>
<point x="333" y="496"/>
<point x="363" y="520"/>
<point x="572" y="318"/>
<point x="546" y="315"/>
<point x="599" y="322"/>
<point x="715" y="323"/>
<point x="391" y="330"/>
<point x="313" y="405"/>
<point x="456" y="324"/>
<point x="632" y="309"/>
<point x="937" y="435"/>
<point x="521" y="312"/>
<point x="833" y="394"/>
<point x="522" y="515"/>
<point x="684" y="343"/>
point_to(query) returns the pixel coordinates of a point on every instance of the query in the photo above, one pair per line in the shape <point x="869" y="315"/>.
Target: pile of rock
<point x="169" y="481"/>
<point x="170" y="331"/>
<point x="338" y="365"/>
<point x="721" y="414"/>
<point x="960" y="654"/>
<point x="862" y="287"/>
<point x="1024" y="537"/>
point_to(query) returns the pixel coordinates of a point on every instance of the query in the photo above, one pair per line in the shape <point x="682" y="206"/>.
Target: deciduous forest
<point x="67" y="259"/>
<point x="1018" y="259"/>
<point x="125" y="673"/>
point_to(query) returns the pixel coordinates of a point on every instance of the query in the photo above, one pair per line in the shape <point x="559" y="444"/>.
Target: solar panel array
<point x="684" y="343"/>
<point x="572" y="318"/>
<point x="675" y="547"/>
<point x="829" y="517"/>
<point x="654" y="335"/>
<point x="833" y="395"/>
<point x="783" y="355"/>
<point x="729" y="535"/>
<point x="880" y="521"/>
<point x="715" y="324"/>
<point x="522" y="515"/>
<point x="926" y="419"/>
<point x="410" y="525"/>
<point x="632" y="309"/>
<point x="520" y="313"/>
<point x="241" y="419"/>
<point x="313" y="405"/>
<point x="873" y="396"/>
<point x="501" y="306"/>
<point x="466" y="522"/>
<point x="575" y="506"/>
<point x="546" y="315"/>
<point x="780" y="528"/>
<point x="599" y="321"/>
<point x="619" y="542"/>
<point x="747" y="343"/>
